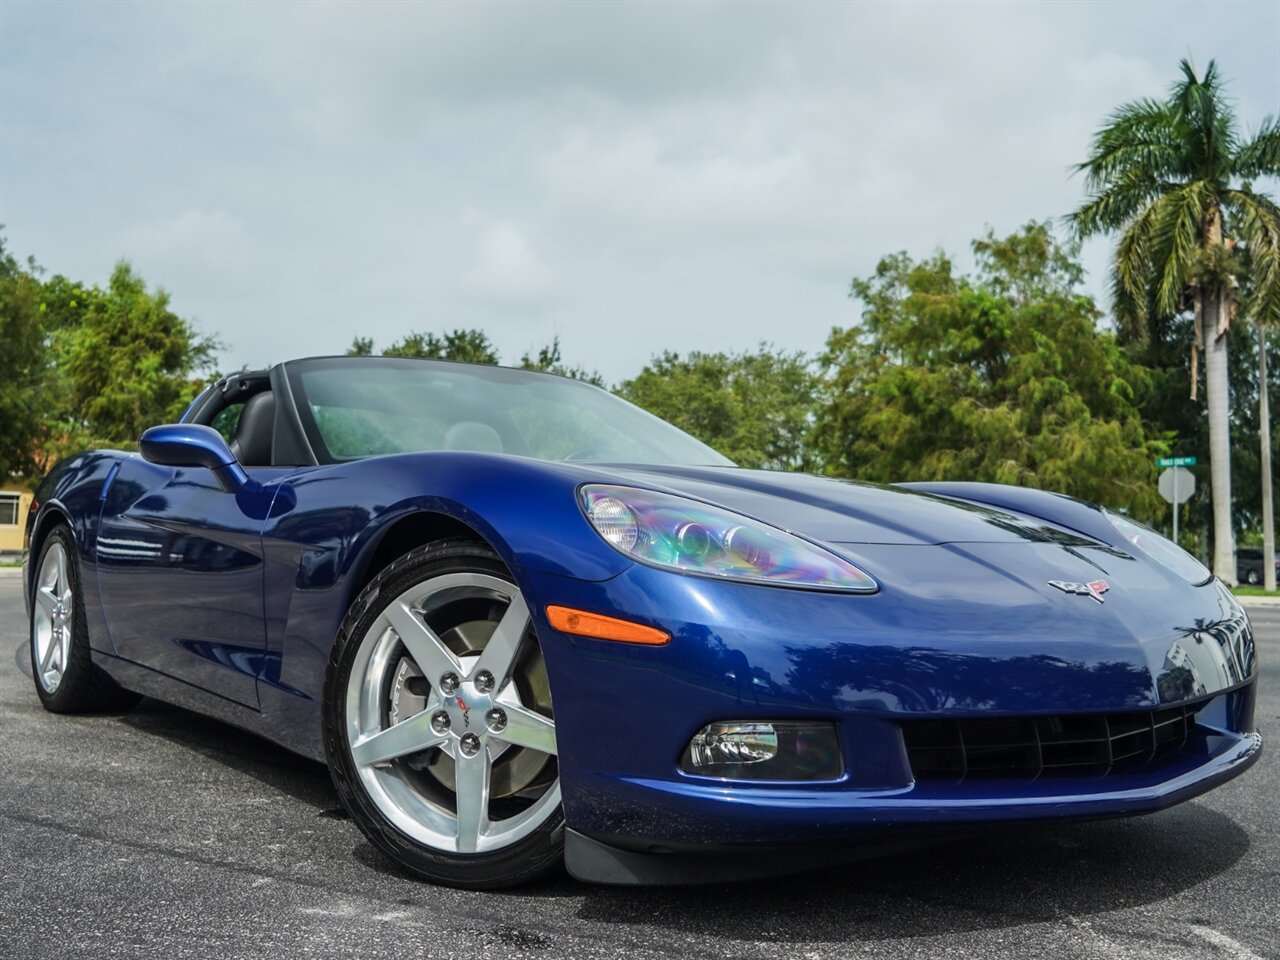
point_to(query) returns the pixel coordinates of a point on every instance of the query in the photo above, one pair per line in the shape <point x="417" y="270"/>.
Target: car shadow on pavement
<point x="1019" y="875"/>
<point x="285" y="771"/>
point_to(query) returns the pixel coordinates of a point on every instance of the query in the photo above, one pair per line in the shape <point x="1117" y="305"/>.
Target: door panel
<point x="180" y="572"/>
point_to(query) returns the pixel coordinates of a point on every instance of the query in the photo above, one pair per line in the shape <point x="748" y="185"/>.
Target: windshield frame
<point x="294" y="370"/>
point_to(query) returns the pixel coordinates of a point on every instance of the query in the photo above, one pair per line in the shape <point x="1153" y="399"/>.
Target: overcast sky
<point x="630" y="177"/>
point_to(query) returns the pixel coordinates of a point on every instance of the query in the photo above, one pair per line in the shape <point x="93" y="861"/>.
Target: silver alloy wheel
<point x="473" y="714"/>
<point x="52" y="618"/>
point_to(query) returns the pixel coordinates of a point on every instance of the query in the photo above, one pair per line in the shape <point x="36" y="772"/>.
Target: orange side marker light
<point x="584" y="624"/>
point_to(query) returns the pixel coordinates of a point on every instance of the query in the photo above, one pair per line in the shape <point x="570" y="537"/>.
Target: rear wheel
<point x="61" y="666"/>
<point x="1254" y="578"/>
<point x="439" y="726"/>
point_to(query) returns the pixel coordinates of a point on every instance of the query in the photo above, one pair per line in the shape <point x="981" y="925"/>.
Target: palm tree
<point x="1264" y="436"/>
<point x="1164" y="174"/>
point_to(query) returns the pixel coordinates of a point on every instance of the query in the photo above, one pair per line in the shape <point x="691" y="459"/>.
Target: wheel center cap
<point x="467" y="709"/>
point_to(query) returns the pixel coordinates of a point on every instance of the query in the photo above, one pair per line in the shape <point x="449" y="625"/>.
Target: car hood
<point x="844" y="511"/>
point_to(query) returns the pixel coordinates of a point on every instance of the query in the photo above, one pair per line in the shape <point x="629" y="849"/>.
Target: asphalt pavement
<point x="158" y="833"/>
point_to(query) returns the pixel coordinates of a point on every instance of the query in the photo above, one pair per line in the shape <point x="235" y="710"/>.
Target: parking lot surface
<point x="158" y="833"/>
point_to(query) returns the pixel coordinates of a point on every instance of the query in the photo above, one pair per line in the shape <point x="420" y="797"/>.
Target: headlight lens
<point x="1164" y="552"/>
<point x="693" y="537"/>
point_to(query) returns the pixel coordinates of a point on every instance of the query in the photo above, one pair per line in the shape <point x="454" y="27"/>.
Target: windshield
<point x="355" y="407"/>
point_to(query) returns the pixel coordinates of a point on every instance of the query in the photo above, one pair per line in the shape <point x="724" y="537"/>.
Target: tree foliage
<point x="755" y="408"/>
<point x="1170" y="176"/>
<point x="548" y="360"/>
<point x="23" y="366"/>
<point x="1164" y="174"/>
<point x="466" y="346"/>
<point x="84" y="366"/>
<point x="123" y="360"/>
<point x="1163" y="351"/>
<point x="1001" y="377"/>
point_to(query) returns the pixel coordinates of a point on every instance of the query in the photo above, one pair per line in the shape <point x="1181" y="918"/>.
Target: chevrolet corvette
<point x="526" y="624"/>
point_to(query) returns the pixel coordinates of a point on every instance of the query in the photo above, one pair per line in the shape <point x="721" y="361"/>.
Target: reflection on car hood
<point x="844" y="511"/>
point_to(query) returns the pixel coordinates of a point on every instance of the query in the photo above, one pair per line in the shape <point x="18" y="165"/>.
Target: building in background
<point x="14" y="505"/>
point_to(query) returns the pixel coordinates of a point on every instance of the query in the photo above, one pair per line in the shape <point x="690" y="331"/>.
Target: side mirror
<point x="193" y="445"/>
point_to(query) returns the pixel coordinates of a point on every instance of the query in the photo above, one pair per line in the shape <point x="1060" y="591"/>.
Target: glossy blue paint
<point x="229" y="602"/>
<point x="1057" y="508"/>
<point x="70" y="494"/>
<point x="920" y="648"/>
<point x="180" y="567"/>
<point x="193" y="445"/>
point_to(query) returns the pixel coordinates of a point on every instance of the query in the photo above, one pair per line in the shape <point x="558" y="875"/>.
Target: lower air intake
<point x="1091" y="744"/>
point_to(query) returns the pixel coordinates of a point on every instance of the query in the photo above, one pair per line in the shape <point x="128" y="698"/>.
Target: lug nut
<point x="469" y="744"/>
<point x="440" y="721"/>
<point x="484" y="681"/>
<point x="496" y="719"/>
<point x="449" y="684"/>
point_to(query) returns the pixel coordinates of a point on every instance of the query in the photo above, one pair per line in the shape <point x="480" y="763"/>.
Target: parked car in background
<point x="1249" y="565"/>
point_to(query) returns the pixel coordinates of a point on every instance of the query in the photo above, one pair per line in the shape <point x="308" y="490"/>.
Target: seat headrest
<point x="254" y="432"/>
<point x="474" y="436"/>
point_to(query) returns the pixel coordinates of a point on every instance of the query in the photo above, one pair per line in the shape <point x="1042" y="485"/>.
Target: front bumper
<point x="624" y="713"/>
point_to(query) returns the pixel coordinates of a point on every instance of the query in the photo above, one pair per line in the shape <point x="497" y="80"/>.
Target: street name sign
<point x="1176" y="462"/>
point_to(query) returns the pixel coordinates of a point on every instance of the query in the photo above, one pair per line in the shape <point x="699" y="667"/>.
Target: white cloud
<point x="504" y="270"/>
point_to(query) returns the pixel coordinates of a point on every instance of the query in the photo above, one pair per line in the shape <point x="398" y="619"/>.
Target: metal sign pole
<point x="1176" y="506"/>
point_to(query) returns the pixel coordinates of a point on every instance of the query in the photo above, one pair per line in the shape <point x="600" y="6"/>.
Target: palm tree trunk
<point x="1216" y="386"/>
<point x="1264" y="429"/>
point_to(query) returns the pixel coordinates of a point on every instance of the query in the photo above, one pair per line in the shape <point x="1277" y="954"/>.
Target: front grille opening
<point x="1093" y="744"/>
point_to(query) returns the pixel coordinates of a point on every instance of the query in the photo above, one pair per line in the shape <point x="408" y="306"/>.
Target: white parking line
<point x="1231" y="946"/>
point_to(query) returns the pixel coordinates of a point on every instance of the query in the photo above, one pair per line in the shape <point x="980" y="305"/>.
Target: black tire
<point x="82" y="687"/>
<point x="535" y="855"/>
<point x="1253" y="578"/>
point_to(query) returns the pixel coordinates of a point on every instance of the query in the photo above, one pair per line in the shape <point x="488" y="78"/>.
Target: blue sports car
<point x="525" y="623"/>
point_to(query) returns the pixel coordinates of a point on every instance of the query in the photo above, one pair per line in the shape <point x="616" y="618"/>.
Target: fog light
<point x="765" y="750"/>
<point x="733" y="743"/>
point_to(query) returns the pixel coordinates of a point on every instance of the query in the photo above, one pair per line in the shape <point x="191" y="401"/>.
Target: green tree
<point x="23" y="366"/>
<point x="123" y="361"/>
<point x="549" y="360"/>
<point x="1000" y="377"/>
<point x="1164" y="173"/>
<point x="466" y="346"/>
<point x="755" y="408"/>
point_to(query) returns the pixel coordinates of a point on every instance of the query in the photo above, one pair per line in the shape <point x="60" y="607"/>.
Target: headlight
<point x="693" y="537"/>
<point x="1164" y="552"/>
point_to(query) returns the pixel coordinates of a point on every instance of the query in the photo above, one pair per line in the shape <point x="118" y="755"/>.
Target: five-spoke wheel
<point x="440" y="728"/>
<point x="66" y="679"/>
<point x="51" y="617"/>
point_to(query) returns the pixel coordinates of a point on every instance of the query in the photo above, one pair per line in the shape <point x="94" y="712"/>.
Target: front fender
<point x="326" y="524"/>
<point x="70" y="493"/>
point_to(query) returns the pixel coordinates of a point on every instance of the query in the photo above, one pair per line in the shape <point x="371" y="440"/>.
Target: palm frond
<point x="1140" y="136"/>
<point x="1260" y="156"/>
<point x="1259" y="219"/>
<point x="1116" y="206"/>
<point x="1207" y="123"/>
<point x="1176" y="240"/>
<point x="1131" y="273"/>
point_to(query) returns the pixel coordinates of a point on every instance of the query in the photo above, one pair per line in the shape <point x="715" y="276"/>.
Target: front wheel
<point x="438" y="721"/>
<point x="1253" y="578"/>
<point x="65" y="678"/>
